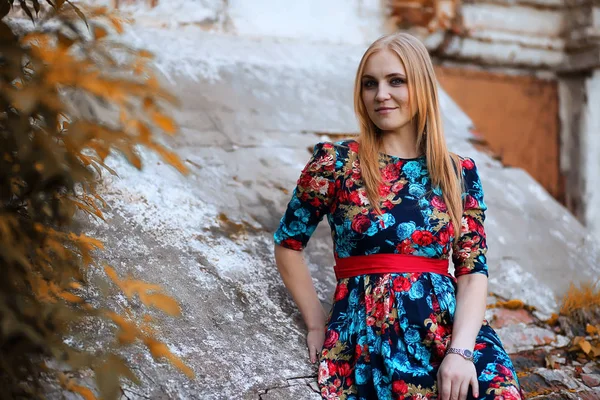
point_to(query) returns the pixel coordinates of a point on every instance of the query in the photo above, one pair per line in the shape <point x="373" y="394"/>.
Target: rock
<point x="502" y="317"/>
<point x="592" y="380"/>
<point x="560" y="377"/>
<point x="519" y="337"/>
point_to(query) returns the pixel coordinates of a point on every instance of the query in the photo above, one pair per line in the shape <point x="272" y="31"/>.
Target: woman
<point x="397" y="202"/>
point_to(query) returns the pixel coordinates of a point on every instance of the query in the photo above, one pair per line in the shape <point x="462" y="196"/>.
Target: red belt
<point x="348" y="267"/>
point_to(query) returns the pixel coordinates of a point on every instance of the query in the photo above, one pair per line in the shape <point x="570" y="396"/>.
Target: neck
<point x="401" y="143"/>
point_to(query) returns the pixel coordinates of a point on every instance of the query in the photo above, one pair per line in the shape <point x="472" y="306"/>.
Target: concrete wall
<point x="331" y="21"/>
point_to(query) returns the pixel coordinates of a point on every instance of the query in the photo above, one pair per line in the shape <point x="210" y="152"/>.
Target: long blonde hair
<point x="423" y="93"/>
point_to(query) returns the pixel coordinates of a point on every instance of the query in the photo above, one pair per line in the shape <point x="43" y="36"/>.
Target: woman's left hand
<point x="455" y="376"/>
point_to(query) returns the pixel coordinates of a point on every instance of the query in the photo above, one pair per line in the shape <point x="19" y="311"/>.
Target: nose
<point x="382" y="93"/>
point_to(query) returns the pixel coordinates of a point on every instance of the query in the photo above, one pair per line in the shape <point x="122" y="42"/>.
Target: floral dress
<point x="387" y="333"/>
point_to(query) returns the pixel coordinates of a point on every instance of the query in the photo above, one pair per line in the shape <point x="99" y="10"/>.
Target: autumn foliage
<point x="70" y="95"/>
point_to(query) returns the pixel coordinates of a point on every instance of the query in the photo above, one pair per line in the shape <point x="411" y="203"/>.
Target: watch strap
<point x="465" y="353"/>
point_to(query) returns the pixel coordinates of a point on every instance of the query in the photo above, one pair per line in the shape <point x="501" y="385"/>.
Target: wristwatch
<point x="465" y="353"/>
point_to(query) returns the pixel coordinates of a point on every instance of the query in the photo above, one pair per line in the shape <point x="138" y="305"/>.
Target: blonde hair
<point x="444" y="167"/>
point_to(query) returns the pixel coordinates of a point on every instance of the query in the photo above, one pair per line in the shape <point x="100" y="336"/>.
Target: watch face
<point x="468" y="353"/>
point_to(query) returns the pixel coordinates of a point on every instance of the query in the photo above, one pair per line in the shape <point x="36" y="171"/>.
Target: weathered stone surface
<point x="519" y="337"/>
<point x="592" y="380"/>
<point x="501" y="317"/>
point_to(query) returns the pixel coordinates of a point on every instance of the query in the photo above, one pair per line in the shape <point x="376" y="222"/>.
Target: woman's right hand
<point x="314" y="341"/>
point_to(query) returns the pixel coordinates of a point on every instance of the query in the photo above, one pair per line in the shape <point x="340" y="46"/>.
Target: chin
<point x="389" y="125"/>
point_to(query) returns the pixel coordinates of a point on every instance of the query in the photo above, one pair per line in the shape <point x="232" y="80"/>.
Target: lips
<point x="385" y="110"/>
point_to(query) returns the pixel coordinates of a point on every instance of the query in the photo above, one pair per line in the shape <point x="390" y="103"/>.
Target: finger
<point x="475" y="385"/>
<point x="464" y="390"/>
<point x="454" y="390"/>
<point x="312" y="353"/>
<point x="445" y="388"/>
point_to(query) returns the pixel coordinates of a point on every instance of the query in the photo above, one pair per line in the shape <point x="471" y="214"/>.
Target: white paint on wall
<point x="591" y="159"/>
<point x="336" y="21"/>
<point x="517" y="19"/>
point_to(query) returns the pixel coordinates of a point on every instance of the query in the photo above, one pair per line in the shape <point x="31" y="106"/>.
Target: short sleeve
<point x="310" y="200"/>
<point x="469" y="253"/>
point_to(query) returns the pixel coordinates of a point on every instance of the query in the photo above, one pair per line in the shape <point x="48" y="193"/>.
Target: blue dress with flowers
<point x="387" y="333"/>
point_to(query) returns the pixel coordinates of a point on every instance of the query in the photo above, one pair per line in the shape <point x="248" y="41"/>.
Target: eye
<point x="398" y="81"/>
<point x="369" y="83"/>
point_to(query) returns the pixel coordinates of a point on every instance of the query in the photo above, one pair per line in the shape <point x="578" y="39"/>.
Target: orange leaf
<point x="163" y="302"/>
<point x="83" y="391"/>
<point x="99" y="32"/>
<point x="164" y="122"/>
<point x="112" y="274"/>
<point x="116" y="23"/>
<point x="591" y="329"/>
<point x="585" y="346"/>
<point x="70" y="297"/>
<point x="513" y="304"/>
<point x="159" y="350"/>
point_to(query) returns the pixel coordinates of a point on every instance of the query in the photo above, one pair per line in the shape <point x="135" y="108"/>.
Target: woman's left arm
<point x="456" y="373"/>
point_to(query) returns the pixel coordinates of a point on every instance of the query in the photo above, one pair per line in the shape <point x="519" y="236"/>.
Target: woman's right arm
<point x="309" y="202"/>
<point x="296" y="278"/>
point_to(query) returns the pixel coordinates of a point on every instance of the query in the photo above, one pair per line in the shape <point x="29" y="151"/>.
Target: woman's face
<point x="384" y="91"/>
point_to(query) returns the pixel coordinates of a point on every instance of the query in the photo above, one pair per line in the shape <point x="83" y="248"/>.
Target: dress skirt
<point x="387" y="334"/>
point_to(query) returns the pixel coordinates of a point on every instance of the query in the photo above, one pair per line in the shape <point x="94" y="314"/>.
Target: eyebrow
<point x="387" y="76"/>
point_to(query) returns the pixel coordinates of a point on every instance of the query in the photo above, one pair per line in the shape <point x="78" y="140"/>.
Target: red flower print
<point x="384" y="190"/>
<point x="320" y="185"/>
<point x="399" y="387"/>
<point x="435" y="305"/>
<point x="468" y="164"/>
<point x="353" y="146"/>
<point x="443" y="237"/>
<point x="389" y="173"/>
<point x="331" y="339"/>
<point x="438" y="203"/>
<point x="341" y="291"/>
<point x="405" y="247"/>
<point x="509" y="393"/>
<point x="349" y="382"/>
<point x="370" y="321"/>
<point x="471" y="202"/>
<point x="323" y="373"/>
<point x="422" y="238"/>
<point x="344" y="369"/>
<point x="342" y="196"/>
<point x="331" y="367"/>
<point x="503" y="370"/>
<point x="292" y="244"/>
<point x="472" y="223"/>
<point x="357" y="351"/>
<point x="401" y="284"/>
<point x="361" y="223"/>
<point x="479" y="346"/>
<point x="388" y="204"/>
<point x="355" y="198"/>
<point x="397" y="187"/>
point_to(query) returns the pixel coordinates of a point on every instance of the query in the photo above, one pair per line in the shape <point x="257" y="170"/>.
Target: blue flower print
<point x="405" y="230"/>
<point x="416" y="291"/>
<point x="303" y="214"/>
<point x="416" y="189"/>
<point x="412" y="336"/>
<point x="373" y="229"/>
<point x="362" y="373"/>
<point x="388" y="220"/>
<point x="412" y="169"/>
